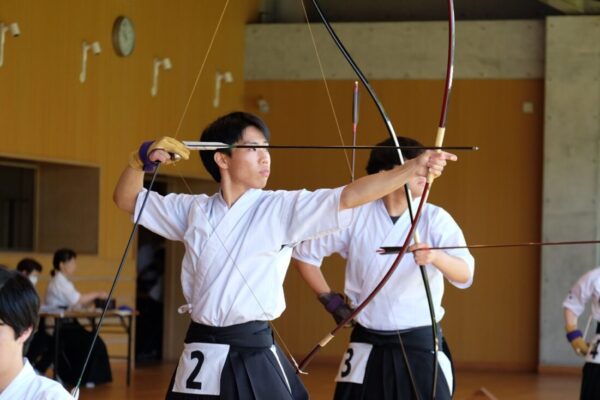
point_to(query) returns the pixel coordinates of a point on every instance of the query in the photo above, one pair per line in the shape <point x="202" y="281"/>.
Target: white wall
<point x="397" y="50"/>
<point x="571" y="181"/>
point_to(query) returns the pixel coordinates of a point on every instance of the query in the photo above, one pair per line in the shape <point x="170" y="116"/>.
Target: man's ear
<point x="25" y="335"/>
<point x="221" y="159"/>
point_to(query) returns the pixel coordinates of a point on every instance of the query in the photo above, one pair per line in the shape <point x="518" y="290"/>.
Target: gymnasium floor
<point x="151" y="381"/>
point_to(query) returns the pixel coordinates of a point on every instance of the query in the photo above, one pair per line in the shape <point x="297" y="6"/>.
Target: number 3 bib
<point x="353" y="366"/>
<point x="199" y="369"/>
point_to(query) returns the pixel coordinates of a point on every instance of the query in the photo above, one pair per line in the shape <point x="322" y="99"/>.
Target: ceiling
<point x="290" y="11"/>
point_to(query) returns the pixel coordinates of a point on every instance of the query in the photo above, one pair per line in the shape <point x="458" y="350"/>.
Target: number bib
<point x="593" y="355"/>
<point x="199" y="369"/>
<point x="353" y="365"/>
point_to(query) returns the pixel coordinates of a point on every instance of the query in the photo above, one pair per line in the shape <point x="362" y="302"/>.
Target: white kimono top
<point x="402" y="303"/>
<point x="61" y="292"/>
<point x="236" y="258"/>
<point x="28" y="385"/>
<point x="586" y="288"/>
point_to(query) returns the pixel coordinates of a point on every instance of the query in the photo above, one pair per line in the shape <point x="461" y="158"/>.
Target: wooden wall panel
<point x="494" y="194"/>
<point x="62" y="220"/>
<point x="47" y="114"/>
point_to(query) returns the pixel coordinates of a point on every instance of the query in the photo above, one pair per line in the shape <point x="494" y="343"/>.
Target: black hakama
<point x="590" y="381"/>
<point x="74" y="344"/>
<point x="386" y="375"/>
<point x="251" y="370"/>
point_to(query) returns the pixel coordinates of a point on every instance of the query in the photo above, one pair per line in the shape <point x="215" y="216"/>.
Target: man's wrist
<point x="574" y="334"/>
<point x="331" y="301"/>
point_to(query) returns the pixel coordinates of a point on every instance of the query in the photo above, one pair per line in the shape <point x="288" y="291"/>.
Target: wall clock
<point x="123" y="36"/>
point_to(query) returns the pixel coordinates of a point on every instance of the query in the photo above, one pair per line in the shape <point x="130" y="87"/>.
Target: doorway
<point x="150" y="266"/>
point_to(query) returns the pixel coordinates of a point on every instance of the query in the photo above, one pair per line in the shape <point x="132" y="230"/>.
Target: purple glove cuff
<point x="149" y="166"/>
<point x="333" y="302"/>
<point x="574" y="335"/>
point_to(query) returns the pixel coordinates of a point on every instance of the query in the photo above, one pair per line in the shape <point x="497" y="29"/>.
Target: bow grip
<point x="439" y="141"/>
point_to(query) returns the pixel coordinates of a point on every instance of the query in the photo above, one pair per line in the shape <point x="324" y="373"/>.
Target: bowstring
<point x="347" y="160"/>
<point x="230" y="257"/>
<point x="210" y="45"/>
<point x="75" y="391"/>
<point x="190" y="191"/>
<point x="322" y="70"/>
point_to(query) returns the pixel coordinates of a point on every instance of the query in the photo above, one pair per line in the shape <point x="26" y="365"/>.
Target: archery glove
<point x="575" y="337"/>
<point x="336" y="305"/>
<point x="140" y="159"/>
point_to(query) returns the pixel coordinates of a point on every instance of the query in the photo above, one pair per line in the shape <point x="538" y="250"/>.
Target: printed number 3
<point x="346" y="372"/>
<point x="190" y="383"/>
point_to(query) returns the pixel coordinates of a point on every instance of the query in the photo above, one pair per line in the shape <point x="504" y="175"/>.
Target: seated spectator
<point x="75" y="340"/>
<point x="31" y="269"/>
<point x="41" y="348"/>
<point x="19" y="307"/>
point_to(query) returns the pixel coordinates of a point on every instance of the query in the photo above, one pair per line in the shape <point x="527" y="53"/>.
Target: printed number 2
<point x="190" y="383"/>
<point x="347" y="363"/>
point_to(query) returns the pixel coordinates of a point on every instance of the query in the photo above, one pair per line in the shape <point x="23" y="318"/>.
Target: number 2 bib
<point x="199" y="369"/>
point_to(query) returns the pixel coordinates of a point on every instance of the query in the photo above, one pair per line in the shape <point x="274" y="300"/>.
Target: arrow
<point x="212" y="146"/>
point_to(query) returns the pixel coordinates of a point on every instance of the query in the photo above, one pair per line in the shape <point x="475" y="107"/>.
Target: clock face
<point x="123" y="36"/>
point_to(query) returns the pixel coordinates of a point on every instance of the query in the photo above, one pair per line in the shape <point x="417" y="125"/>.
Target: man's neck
<point x="231" y="192"/>
<point x="11" y="373"/>
<point x="395" y="203"/>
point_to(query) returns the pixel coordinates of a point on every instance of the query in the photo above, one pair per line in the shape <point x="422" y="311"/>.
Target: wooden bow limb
<point x="323" y="342"/>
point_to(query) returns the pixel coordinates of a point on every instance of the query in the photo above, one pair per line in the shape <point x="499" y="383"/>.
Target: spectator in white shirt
<point x="19" y="308"/>
<point x="75" y="340"/>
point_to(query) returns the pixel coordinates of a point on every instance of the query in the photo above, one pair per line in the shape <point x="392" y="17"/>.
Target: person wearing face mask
<point x="41" y="348"/>
<point x="31" y="269"/>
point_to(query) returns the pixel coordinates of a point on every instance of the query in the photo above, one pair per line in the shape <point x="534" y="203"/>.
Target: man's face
<point x="11" y="348"/>
<point x="249" y="168"/>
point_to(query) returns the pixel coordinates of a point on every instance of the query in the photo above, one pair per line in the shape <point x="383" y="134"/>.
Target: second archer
<point x="390" y="355"/>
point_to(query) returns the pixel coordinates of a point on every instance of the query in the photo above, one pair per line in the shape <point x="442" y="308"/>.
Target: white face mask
<point x="33" y="279"/>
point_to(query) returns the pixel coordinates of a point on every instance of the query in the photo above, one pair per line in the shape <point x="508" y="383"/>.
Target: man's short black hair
<point x="61" y="255"/>
<point x="386" y="159"/>
<point x="19" y="302"/>
<point x="228" y="129"/>
<point x="28" y="265"/>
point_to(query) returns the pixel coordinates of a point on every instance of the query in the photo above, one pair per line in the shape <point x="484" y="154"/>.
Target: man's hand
<point x="335" y="304"/>
<point x="166" y="151"/>
<point x="433" y="162"/>
<point x="422" y="254"/>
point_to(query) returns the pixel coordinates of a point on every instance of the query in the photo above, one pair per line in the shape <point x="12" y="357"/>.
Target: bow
<point x="414" y="218"/>
<point x="75" y="390"/>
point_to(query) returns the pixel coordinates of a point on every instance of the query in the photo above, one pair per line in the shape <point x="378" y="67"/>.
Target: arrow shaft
<point x="396" y="249"/>
<point x="212" y="146"/>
